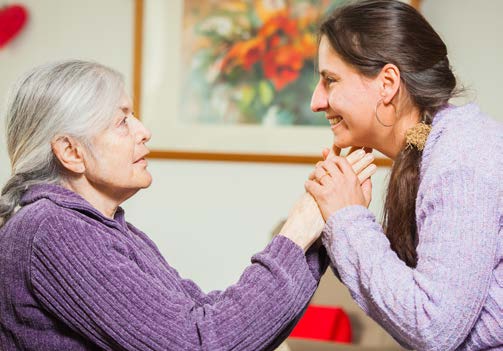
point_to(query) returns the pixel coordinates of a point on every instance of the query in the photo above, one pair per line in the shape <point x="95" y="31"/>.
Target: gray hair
<point x="69" y="98"/>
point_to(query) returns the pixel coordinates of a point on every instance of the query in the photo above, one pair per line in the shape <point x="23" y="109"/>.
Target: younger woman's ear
<point x="69" y="153"/>
<point x="389" y="82"/>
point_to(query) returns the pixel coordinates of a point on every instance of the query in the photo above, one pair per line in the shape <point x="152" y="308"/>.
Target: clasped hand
<point x="338" y="182"/>
<point x="335" y="183"/>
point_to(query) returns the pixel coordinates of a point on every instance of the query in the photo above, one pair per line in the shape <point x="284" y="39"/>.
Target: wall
<point x="208" y="218"/>
<point x="472" y="31"/>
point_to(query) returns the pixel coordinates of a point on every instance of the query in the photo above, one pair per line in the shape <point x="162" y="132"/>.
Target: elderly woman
<point x="74" y="275"/>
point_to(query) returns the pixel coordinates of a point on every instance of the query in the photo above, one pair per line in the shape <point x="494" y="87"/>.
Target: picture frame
<point x="157" y="91"/>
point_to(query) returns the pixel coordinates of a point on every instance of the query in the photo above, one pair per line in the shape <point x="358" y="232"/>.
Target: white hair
<point x="68" y="98"/>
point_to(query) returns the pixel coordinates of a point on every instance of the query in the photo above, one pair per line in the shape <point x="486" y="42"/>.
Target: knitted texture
<point x="72" y="279"/>
<point x="453" y="299"/>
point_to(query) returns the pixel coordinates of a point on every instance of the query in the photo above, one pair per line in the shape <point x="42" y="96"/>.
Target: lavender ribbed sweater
<point x="453" y="299"/>
<point x="72" y="279"/>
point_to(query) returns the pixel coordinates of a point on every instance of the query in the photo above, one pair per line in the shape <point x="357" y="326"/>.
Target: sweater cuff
<point x="292" y="259"/>
<point x="317" y="259"/>
<point x="343" y="218"/>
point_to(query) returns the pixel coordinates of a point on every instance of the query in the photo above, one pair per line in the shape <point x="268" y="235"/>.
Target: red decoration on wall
<point x="12" y="20"/>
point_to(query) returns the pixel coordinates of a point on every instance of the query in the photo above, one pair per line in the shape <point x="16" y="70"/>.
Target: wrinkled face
<point x="116" y="165"/>
<point x="347" y="98"/>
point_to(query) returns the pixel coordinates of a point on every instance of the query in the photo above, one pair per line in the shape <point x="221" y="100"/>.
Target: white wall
<point x="472" y="31"/>
<point x="208" y="218"/>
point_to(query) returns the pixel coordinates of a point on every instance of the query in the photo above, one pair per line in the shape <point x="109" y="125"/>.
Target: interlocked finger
<point x="325" y="178"/>
<point x="363" y="163"/>
<point x="355" y="156"/>
<point x="321" y="175"/>
<point x="312" y="175"/>
<point x="367" y="172"/>
<point x="330" y="167"/>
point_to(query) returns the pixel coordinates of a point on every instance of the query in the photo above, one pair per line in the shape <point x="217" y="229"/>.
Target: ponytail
<point x="400" y="205"/>
<point x="18" y="184"/>
<point x="11" y="196"/>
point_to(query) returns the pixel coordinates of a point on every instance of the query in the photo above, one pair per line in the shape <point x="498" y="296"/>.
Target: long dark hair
<point x="368" y="35"/>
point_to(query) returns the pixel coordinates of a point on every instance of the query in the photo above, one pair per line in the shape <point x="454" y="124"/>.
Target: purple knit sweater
<point x="453" y="299"/>
<point x="72" y="279"/>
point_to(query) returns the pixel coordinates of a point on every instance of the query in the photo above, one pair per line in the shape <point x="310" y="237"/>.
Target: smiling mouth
<point x="334" y="120"/>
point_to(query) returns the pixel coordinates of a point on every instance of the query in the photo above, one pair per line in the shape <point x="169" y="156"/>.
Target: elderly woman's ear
<point x="69" y="153"/>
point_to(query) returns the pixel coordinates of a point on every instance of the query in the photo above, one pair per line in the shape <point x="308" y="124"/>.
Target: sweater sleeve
<point x="316" y="258"/>
<point x="435" y="305"/>
<point x="79" y="276"/>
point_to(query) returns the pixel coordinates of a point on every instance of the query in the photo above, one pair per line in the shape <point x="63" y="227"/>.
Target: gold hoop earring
<point x="377" y="115"/>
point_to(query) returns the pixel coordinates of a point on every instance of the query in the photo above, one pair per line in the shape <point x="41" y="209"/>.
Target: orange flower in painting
<point x="280" y="23"/>
<point x="244" y="53"/>
<point x="279" y="46"/>
<point x="283" y="60"/>
<point x="255" y="56"/>
<point x="252" y="52"/>
<point x="282" y="65"/>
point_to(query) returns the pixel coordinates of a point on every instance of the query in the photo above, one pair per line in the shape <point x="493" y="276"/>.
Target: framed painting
<point x="230" y="79"/>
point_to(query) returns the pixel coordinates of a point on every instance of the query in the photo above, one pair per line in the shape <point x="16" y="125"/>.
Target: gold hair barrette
<point x="417" y="135"/>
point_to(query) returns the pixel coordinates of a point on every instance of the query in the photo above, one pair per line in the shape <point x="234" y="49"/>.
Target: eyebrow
<point x="125" y="109"/>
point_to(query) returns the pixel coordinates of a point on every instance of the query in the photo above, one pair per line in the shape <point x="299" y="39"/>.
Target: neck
<point x="98" y="199"/>
<point x="394" y="139"/>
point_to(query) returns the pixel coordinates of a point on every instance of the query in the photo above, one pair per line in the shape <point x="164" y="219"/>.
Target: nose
<point x="142" y="132"/>
<point x="319" y="100"/>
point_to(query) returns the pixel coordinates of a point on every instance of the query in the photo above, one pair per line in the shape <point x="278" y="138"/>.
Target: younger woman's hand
<point x="305" y="222"/>
<point x="335" y="184"/>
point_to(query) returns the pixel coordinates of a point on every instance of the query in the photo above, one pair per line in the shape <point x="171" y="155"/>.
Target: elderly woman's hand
<point x="336" y="183"/>
<point x="305" y="222"/>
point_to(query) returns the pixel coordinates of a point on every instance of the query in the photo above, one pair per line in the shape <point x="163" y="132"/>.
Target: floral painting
<point x="250" y="62"/>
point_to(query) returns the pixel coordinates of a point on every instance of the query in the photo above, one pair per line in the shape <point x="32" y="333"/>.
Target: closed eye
<point x="329" y="80"/>
<point x="328" y="77"/>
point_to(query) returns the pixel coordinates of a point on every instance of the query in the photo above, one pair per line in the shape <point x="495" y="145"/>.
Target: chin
<point x="143" y="179"/>
<point x="147" y="182"/>
<point x="342" y="144"/>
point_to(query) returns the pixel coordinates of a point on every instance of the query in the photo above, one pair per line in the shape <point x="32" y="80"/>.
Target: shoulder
<point x="29" y="218"/>
<point x="469" y="131"/>
<point x="44" y="228"/>
<point x="51" y="224"/>
<point x="464" y="140"/>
